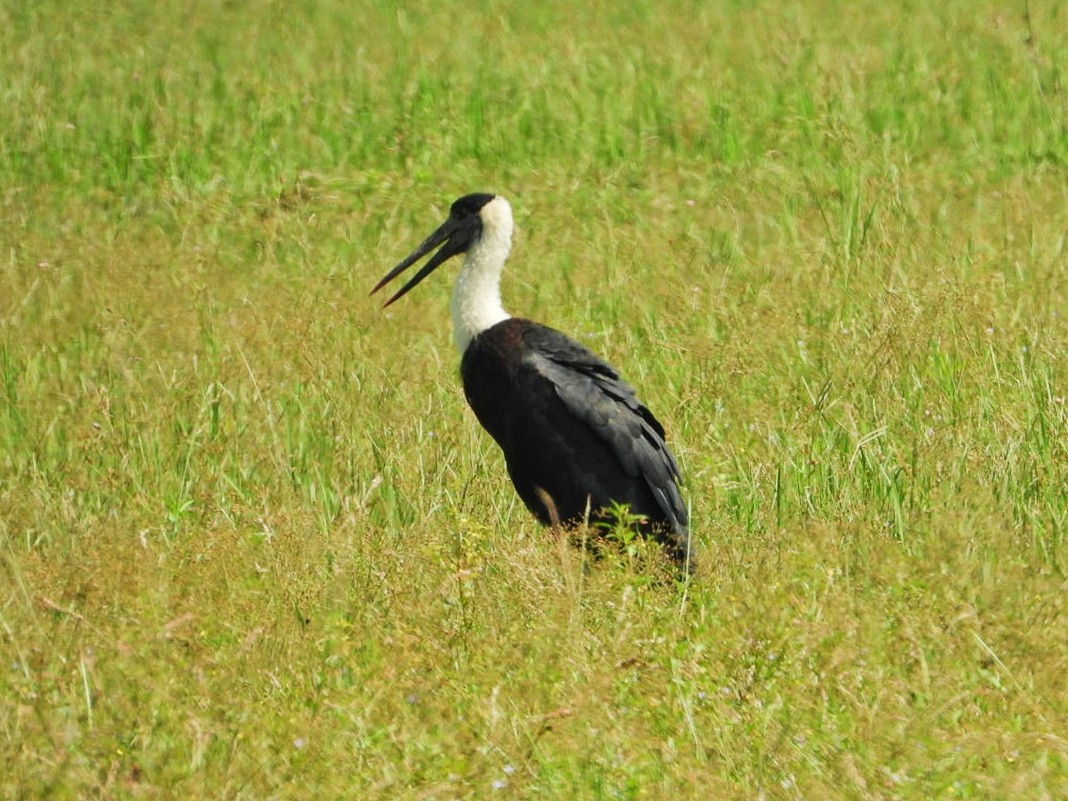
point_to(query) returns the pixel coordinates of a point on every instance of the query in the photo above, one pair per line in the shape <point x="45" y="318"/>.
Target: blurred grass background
<point x="254" y="545"/>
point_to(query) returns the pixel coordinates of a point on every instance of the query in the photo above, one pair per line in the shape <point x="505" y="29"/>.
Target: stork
<point x="576" y="439"/>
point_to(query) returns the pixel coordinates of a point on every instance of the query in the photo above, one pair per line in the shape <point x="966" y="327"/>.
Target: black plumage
<point x="575" y="437"/>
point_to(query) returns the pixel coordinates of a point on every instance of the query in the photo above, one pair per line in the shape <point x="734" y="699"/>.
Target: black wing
<point x="593" y="392"/>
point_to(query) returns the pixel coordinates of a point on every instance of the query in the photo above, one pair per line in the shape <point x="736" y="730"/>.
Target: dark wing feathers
<point x="593" y="391"/>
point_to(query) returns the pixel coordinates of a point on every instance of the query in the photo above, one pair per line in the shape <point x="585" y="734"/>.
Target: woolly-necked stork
<point x="575" y="437"/>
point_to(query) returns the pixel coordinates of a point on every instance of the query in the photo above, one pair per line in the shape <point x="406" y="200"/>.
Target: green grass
<point x="252" y="543"/>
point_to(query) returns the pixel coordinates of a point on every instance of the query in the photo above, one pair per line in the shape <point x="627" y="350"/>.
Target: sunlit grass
<point x="253" y="544"/>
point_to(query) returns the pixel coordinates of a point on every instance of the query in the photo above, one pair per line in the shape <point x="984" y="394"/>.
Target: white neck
<point x="476" y="297"/>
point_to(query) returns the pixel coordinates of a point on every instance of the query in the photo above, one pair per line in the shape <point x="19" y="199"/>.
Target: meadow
<point x="253" y="544"/>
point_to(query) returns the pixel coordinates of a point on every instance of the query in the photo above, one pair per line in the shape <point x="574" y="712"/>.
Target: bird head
<point x="467" y="218"/>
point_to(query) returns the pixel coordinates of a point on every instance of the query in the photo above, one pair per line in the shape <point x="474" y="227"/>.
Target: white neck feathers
<point x="476" y="297"/>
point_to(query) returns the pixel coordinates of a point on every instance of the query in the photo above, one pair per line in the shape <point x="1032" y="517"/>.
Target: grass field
<point x="253" y="545"/>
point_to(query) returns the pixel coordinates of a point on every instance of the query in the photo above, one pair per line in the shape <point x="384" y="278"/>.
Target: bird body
<point x="575" y="437"/>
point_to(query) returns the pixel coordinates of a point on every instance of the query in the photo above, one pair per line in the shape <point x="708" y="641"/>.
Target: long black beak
<point x="456" y="238"/>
